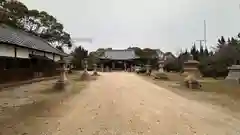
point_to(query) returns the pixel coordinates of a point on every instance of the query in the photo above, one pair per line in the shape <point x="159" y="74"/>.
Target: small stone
<point x="80" y="129"/>
<point x="130" y="121"/>
<point x="85" y="105"/>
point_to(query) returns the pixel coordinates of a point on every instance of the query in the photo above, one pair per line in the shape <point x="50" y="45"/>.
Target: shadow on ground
<point x="32" y="104"/>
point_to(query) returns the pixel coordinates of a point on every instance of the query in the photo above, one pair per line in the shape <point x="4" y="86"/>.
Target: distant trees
<point x="213" y="63"/>
<point x="39" y="23"/>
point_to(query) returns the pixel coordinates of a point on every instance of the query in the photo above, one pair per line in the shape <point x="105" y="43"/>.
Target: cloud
<point x="166" y="24"/>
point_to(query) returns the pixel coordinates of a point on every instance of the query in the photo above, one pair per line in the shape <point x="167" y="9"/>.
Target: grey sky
<point x="165" y="24"/>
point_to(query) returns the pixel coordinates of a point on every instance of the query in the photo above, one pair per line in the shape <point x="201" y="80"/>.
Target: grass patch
<point x="161" y="76"/>
<point x="222" y="87"/>
<point x="217" y="92"/>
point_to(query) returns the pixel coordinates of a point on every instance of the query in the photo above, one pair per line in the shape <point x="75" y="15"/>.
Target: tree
<point x="39" y="23"/>
<point x="201" y="51"/>
<point x="79" y="54"/>
<point x="194" y="52"/>
<point x="206" y="52"/>
<point x="221" y="42"/>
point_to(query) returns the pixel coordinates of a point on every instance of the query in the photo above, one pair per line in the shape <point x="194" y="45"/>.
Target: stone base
<point x="191" y="82"/>
<point x="85" y="76"/>
<point x="95" y="73"/>
<point x="233" y="80"/>
<point x="61" y="85"/>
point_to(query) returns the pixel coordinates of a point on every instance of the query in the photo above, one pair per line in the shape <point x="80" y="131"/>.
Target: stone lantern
<point x="95" y="73"/>
<point x="161" y="65"/>
<point x="63" y="81"/>
<point x="85" y="65"/>
<point x="192" y="73"/>
<point x="148" y="68"/>
<point x="191" y="67"/>
<point x="102" y="67"/>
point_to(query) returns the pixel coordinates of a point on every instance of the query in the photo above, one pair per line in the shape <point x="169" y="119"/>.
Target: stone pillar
<point x="161" y="65"/>
<point x="102" y="67"/>
<point x="234" y="73"/>
<point x="125" y="66"/>
<point x="85" y="65"/>
<point x="61" y="83"/>
<point x="148" y="69"/>
<point x="107" y="69"/>
<point x="113" y="65"/>
<point x="95" y="67"/>
<point x="95" y="70"/>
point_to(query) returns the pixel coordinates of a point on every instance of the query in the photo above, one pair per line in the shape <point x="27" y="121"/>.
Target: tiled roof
<point x="119" y="55"/>
<point x="21" y="38"/>
<point x="159" y="53"/>
<point x="169" y="54"/>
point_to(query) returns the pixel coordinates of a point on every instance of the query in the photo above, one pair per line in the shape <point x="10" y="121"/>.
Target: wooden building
<point x="25" y="56"/>
<point x="118" y="59"/>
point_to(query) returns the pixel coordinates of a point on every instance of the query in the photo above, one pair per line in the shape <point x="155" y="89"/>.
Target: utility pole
<point x="200" y="41"/>
<point x="205" y="33"/>
<point x="204" y="40"/>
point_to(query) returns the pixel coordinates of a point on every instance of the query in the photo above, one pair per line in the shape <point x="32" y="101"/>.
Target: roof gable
<point x="119" y="54"/>
<point x="21" y="38"/>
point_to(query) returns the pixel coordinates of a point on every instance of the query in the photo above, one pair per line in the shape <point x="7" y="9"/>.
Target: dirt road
<point x="125" y="104"/>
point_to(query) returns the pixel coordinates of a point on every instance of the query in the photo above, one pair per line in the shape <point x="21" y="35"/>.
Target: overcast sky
<point x="165" y="24"/>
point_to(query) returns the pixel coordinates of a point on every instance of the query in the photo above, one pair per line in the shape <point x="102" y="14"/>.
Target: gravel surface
<point x="124" y="104"/>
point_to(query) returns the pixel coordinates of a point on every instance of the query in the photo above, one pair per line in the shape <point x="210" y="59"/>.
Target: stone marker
<point x="102" y="67"/>
<point x="63" y="80"/>
<point x="234" y="73"/>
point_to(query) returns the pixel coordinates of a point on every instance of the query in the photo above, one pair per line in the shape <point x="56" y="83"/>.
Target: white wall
<point x="39" y="53"/>
<point x="49" y="55"/>
<point x="7" y="50"/>
<point x="57" y="58"/>
<point x="22" y="53"/>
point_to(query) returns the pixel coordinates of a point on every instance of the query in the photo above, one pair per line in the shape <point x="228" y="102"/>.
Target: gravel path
<point x="125" y="104"/>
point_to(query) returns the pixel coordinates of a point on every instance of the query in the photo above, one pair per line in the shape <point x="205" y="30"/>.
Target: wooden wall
<point x="9" y="51"/>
